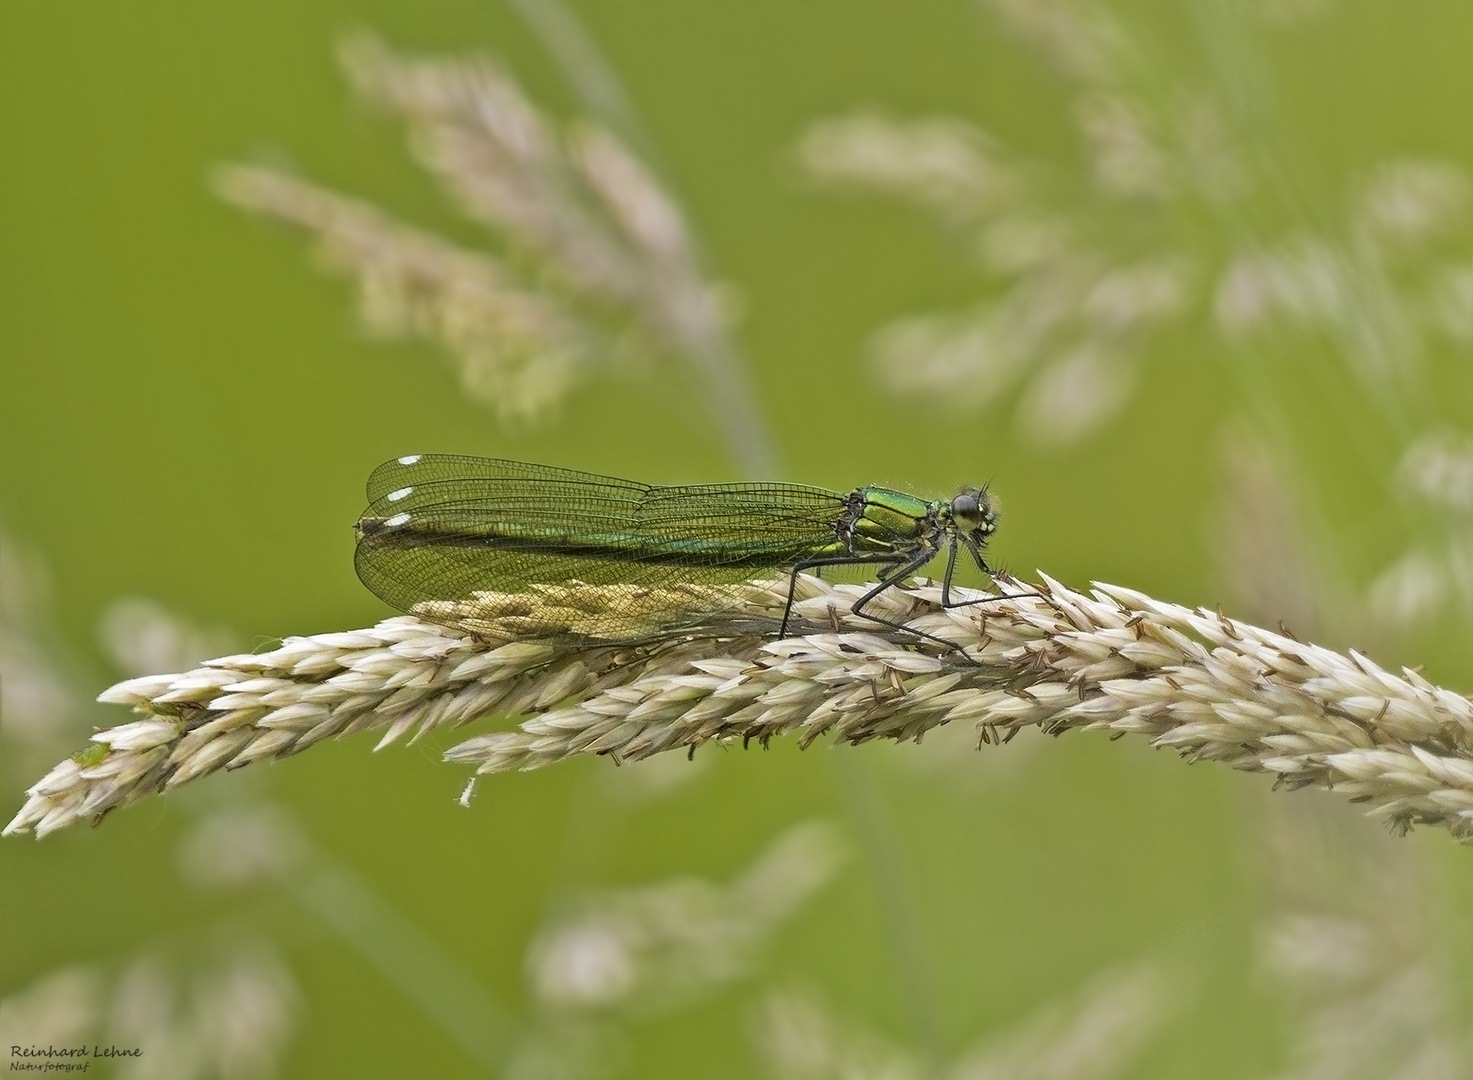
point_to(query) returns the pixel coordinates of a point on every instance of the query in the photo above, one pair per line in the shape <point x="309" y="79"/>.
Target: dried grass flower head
<point x="1053" y="658"/>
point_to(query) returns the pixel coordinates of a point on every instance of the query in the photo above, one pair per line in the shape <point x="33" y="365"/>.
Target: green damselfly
<point x="444" y="536"/>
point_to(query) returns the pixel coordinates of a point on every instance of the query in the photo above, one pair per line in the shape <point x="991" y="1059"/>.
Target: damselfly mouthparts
<point x="474" y="541"/>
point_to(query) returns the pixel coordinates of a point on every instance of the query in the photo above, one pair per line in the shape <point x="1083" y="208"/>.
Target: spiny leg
<point x="889" y="581"/>
<point x="894" y="571"/>
<point x="838" y="560"/>
<point x="946" y="600"/>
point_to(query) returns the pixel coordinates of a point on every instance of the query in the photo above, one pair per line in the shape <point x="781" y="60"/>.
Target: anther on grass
<point x="1114" y="660"/>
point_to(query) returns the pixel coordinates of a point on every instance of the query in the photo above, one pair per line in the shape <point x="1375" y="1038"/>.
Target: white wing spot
<point x="395" y="496"/>
<point x="395" y="521"/>
<point x="412" y="459"/>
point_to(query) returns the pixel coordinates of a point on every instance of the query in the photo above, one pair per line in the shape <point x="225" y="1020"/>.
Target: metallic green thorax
<point x="881" y="520"/>
<point x="443" y="530"/>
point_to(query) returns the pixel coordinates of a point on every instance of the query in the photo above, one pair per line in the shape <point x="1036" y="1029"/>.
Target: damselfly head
<point x="973" y="511"/>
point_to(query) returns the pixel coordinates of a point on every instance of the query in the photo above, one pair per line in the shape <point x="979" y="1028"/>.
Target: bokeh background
<point x="1190" y="283"/>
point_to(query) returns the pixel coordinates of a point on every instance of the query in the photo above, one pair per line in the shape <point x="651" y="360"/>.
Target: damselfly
<point x="473" y="541"/>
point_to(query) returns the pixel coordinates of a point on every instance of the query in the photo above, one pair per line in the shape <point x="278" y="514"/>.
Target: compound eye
<point x="973" y="510"/>
<point x="966" y="510"/>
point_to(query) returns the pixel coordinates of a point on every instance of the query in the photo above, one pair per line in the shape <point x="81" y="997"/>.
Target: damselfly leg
<point x="894" y="572"/>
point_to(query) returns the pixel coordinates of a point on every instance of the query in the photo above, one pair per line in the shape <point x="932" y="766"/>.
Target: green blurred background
<point x="188" y="412"/>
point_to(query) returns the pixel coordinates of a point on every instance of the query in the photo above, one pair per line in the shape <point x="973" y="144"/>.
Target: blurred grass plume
<point x="1095" y="1033"/>
<point x="1174" y="216"/>
<point x="593" y="262"/>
